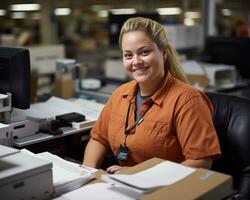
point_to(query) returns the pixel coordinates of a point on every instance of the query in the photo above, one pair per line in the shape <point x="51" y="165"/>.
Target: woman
<point x="157" y="114"/>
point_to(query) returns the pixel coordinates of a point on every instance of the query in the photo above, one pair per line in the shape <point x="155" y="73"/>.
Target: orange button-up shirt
<point x="177" y="127"/>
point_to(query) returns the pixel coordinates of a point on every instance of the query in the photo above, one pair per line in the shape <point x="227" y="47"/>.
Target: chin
<point x="141" y="80"/>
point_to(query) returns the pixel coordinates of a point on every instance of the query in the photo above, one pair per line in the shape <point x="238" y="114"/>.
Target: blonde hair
<point x="157" y="33"/>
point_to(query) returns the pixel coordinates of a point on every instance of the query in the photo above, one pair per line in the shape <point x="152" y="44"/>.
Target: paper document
<point x="163" y="174"/>
<point x="67" y="176"/>
<point x="99" y="191"/>
<point x="57" y="106"/>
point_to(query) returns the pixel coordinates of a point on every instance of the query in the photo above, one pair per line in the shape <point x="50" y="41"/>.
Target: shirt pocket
<point x="159" y="134"/>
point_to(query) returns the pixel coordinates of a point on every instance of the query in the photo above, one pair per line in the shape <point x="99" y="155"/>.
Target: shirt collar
<point x="157" y="97"/>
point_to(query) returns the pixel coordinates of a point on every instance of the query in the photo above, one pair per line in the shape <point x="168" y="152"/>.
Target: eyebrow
<point x="148" y="46"/>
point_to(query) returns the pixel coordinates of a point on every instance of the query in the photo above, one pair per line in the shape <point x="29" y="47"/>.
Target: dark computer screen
<point x="229" y="50"/>
<point x="15" y="75"/>
<point x="115" y="23"/>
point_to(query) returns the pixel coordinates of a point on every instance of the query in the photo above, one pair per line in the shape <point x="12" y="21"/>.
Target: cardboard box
<point x="64" y="88"/>
<point x="202" y="80"/>
<point x="202" y="184"/>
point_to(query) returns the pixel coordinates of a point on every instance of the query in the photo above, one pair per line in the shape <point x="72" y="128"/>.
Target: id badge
<point x="123" y="153"/>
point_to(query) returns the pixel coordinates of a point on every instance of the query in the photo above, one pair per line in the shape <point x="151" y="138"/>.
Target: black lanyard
<point x="138" y="121"/>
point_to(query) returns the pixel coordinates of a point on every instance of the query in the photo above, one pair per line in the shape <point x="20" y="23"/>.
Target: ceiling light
<point x="62" y="11"/>
<point x="169" y="11"/>
<point x="2" y="12"/>
<point x="226" y="12"/>
<point x="122" y="11"/>
<point x="25" y="7"/>
<point x="193" y="15"/>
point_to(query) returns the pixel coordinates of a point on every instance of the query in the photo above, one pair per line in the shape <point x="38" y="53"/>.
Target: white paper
<point x="90" y="108"/>
<point x="57" y="106"/>
<point x="163" y="174"/>
<point x="67" y="175"/>
<point x="107" y="179"/>
<point x="99" y="191"/>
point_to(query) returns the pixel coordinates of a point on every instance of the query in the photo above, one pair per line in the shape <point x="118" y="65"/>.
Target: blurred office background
<point x="87" y="30"/>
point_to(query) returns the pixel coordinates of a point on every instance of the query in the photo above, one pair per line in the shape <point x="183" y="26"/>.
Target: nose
<point x="137" y="60"/>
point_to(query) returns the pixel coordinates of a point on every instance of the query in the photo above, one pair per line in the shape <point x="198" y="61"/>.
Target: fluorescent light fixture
<point x="25" y="7"/>
<point x="121" y="11"/>
<point x="226" y="12"/>
<point x="2" y="12"/>
<point x="102" y="13"/>
<point x="62" y="11"/>
<point x="169" y="11"/>
<point x="18" y="15"/>
<point x="193" y="15"/>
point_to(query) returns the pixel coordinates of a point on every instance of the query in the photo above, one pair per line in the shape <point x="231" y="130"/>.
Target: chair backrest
<point x="232" y="123"/>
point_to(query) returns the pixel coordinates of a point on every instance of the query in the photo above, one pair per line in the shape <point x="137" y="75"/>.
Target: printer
<point x="24" y="176"/>
<point x="220" y="75"/>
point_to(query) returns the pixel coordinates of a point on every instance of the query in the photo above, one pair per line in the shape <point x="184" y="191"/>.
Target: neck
<point x="150" y="88"/>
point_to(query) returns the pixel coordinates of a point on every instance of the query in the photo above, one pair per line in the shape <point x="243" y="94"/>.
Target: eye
<point x="127" y="56"/>
<point x="145" y="52"/>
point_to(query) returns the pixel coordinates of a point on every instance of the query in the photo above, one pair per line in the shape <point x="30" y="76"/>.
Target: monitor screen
<point x="15" y="75"/>
<point x="231" y="51"/>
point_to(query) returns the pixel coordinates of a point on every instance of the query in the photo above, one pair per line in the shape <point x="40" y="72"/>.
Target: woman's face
<point x="142" y="59"/>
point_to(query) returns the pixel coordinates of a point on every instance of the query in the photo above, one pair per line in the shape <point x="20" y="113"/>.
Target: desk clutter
<point x="25" y="175"/>
<point x="50" y="117"/>
<point x="156" y="179"/>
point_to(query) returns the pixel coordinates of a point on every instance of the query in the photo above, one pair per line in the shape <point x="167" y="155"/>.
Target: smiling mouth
<point x="140" y="69"/>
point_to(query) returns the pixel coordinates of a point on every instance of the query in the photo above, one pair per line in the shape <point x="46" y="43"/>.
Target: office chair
<point x="232" y="123"/>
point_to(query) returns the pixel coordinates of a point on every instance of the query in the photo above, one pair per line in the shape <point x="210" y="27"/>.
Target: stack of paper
<point x="131" y="187"/>
<point x="160" y="175"/>
<point x="67" y="176"/>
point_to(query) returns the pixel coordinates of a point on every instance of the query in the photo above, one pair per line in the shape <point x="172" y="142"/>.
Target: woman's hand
<point x="114" y="169"/>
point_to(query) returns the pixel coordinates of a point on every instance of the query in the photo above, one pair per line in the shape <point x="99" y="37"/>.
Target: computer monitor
<point x="229" y="50"/>
<point x="15" y="75"/>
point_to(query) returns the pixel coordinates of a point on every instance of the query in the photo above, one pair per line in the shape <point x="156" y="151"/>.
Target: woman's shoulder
<point x="185" y="90"/>
<point x="125" y="88"/>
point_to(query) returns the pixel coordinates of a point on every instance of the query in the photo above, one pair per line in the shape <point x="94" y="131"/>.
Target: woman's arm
<point x="200" y="163"/>
<point x="94" y="154"/>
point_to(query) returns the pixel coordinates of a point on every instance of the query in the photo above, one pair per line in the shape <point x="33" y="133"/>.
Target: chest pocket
<point x="158" y="134"/>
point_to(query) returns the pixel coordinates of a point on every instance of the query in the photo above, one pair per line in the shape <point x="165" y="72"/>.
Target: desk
<point x="41" y="137"/>
<point x="70" y="143"/>
<point x="42" y="113"/>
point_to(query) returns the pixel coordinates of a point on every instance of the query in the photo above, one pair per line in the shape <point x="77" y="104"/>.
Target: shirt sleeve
<point x="195" y="129"/>
<point x="100" y="130"/>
